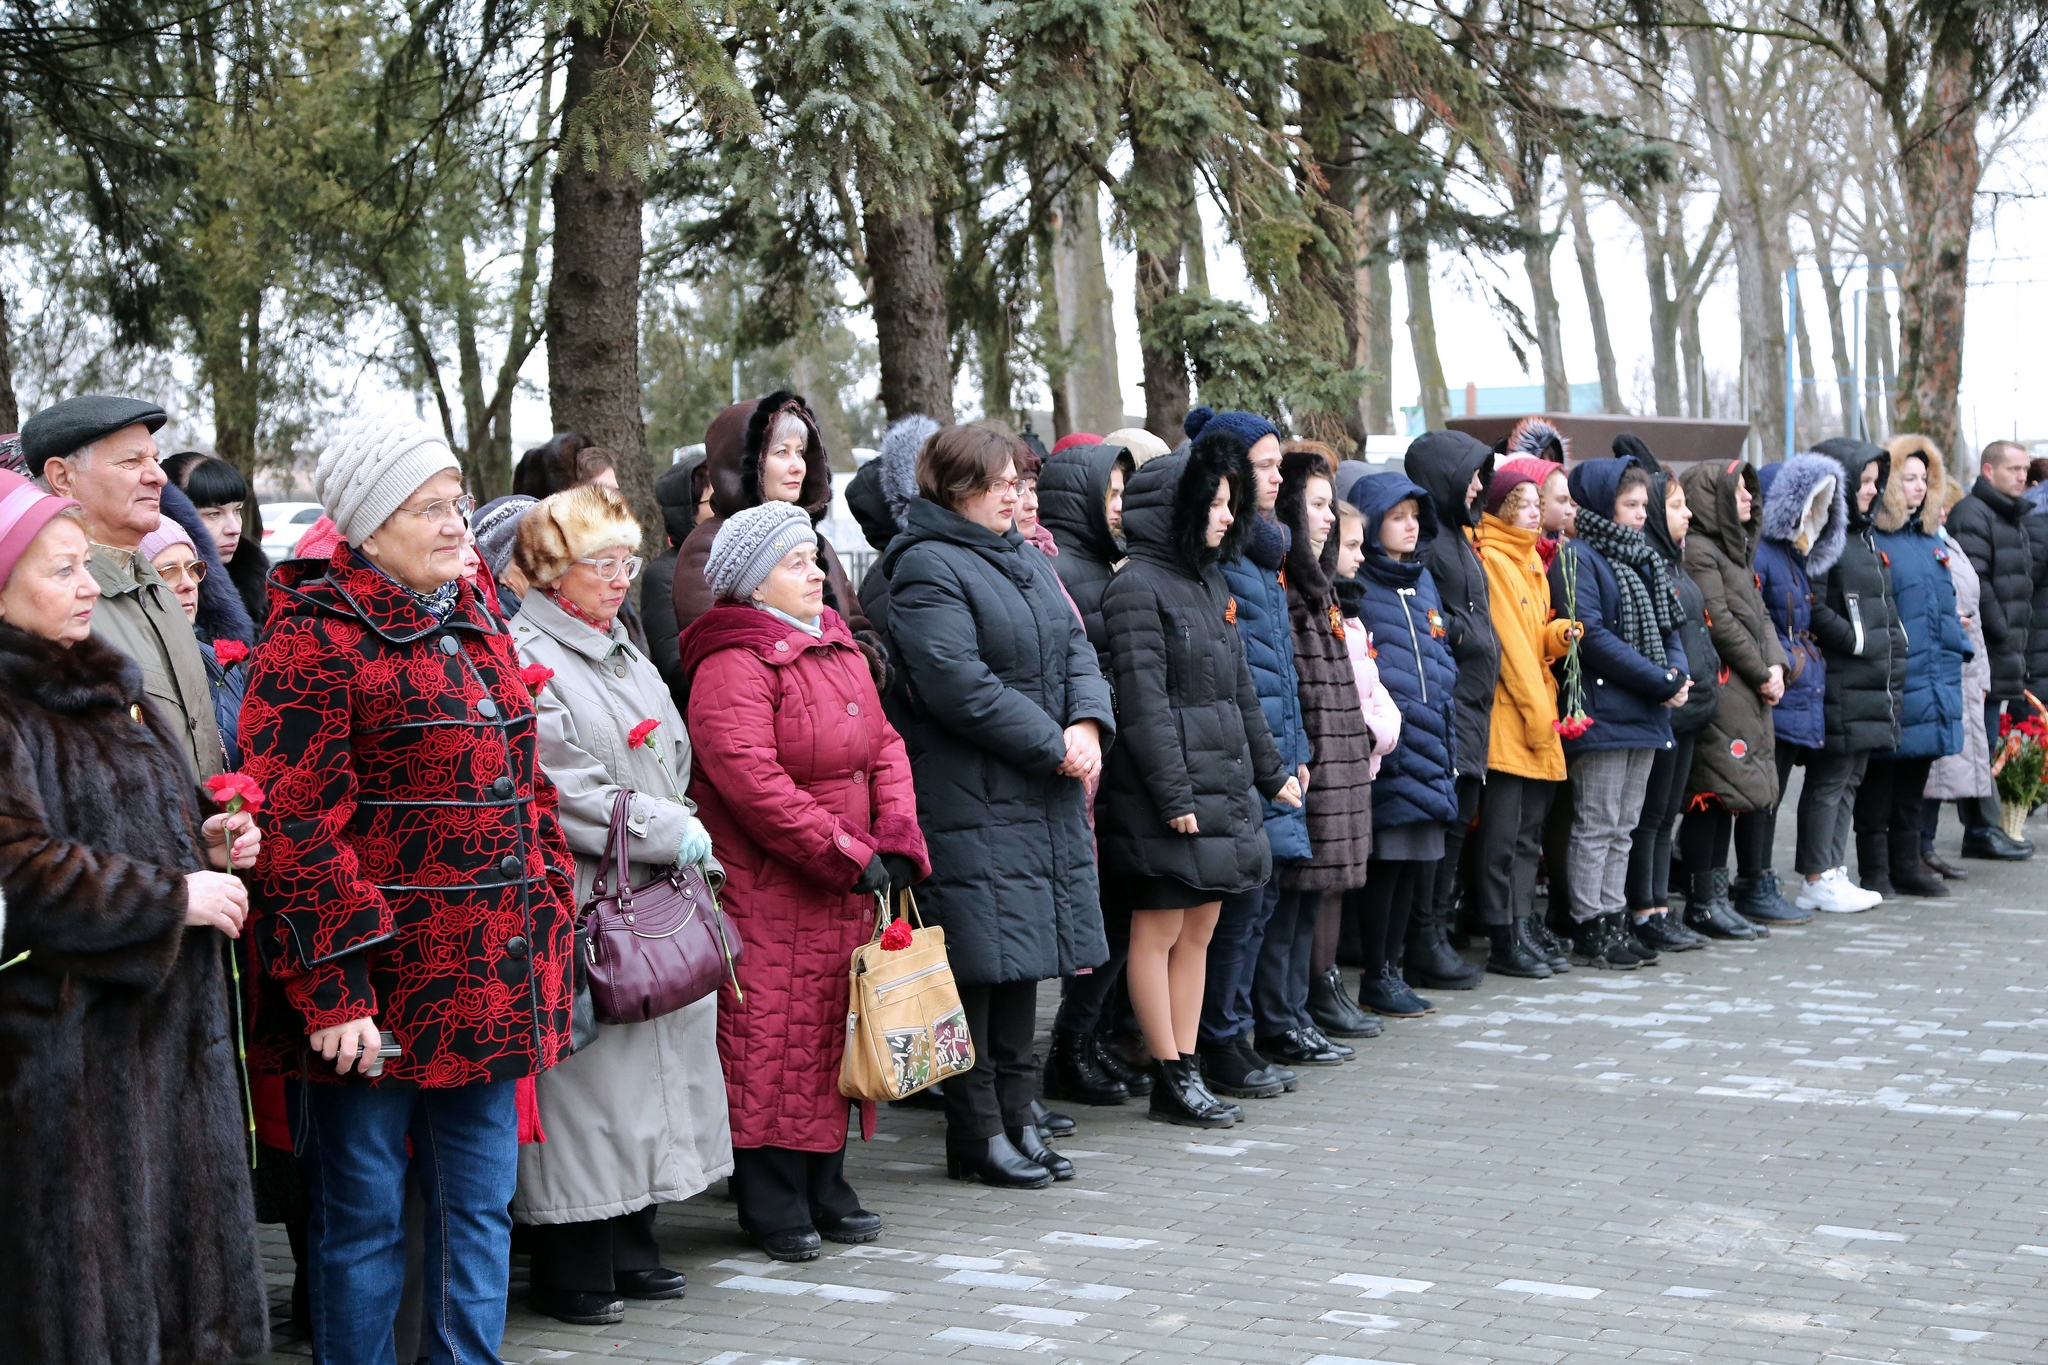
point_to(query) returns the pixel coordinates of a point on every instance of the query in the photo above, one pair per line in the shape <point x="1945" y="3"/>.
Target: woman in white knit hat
<point x="413" y="912"/>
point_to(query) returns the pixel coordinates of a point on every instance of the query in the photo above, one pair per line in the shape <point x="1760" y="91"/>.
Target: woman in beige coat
<point x="636" y="1118"/>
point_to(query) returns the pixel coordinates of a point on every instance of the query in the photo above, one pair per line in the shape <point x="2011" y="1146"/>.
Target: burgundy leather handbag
<point x="652" y="949"/>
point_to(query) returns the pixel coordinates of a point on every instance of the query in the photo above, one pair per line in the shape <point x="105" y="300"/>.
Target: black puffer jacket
<point x="1857" y="622"/>
<point x="676" y="491"/>
<point x="1701" y="662"/>
<point x="1194" y="740"/>
<point x="994" y="668"/>
<point x="1444" y="462"/>
<point x="2036" y="524"/>
<point x="1072" y="491"/>
<point x="1991" y="529"/>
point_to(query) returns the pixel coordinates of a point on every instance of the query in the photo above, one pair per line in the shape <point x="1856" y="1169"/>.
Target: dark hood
<point x="869" y="503"/>
<point x="732" y="452"/>
<point x="1594" y="483"/>
<point x="1853" y="454"/>
<point x="1166" y="506"/>
<point x="675" y="490"/>
<point x="1374" y="497"/>
<point x="925" y="520"/>
<point x="1072" y="490"/>
<point x="222" y="613"/>
<point x="1710" y="492"/>
<point x="1657" y="526"/>
<point x="1443" y="463"/>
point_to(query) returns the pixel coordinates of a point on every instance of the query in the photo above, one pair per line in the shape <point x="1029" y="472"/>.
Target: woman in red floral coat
<point x="806" y="790"/>
<point x="416" y="891"/>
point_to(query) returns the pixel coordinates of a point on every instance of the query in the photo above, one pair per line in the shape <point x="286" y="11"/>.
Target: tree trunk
<point x="1756" y="280"/>
<point x="1880" y="384"/>
<point x="1809" y="385"/>
<point x="1940" y="171"/>
<point x="1699" y="402"/>
<point x="1163" y="361"/>
<point x="1093" y="394"/>
<point x="1596" y="301"/>
<point x="1838" y="335"/>
<point x="910" y="312"/>
<point x="1663" y="327"/>
<point x="1429" y="366"/>
<point x="10" y="407"/>
<point x="593" y="310"/>
<point x="1557" y="389"/>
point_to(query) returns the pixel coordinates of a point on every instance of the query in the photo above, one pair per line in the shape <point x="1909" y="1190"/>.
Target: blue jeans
<point x="465" y="1160"/>
<point x="1279" y="993"/>
<point x="1233" y="958"/>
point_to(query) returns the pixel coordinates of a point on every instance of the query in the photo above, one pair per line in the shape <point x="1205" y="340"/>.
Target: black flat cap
<point x="63" y="428"/>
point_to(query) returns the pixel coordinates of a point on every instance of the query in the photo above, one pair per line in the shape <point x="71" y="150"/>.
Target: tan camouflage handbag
<point x="905" y="1029"/>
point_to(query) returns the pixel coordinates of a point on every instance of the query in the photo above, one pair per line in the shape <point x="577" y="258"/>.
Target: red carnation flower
<point x="638" y="735"/>
<point x="230" y="652"/>
<point x="896" y="937"/>
<point x="535" y="677"/>
<point x="235" y="792"/>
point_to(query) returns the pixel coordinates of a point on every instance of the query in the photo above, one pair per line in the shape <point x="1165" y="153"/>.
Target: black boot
<point x="1232" y="1110"/>
<point x="1874" y="864"/>
<point x="994" y="1161"/>
<point x="1329" y="1004"/>
<point x="1909" y="874"/>
<point x="1545" y="944"/>
<point x="1709" y="911"/>
<point x="1178" y="1096"/>
<point x="1512" y="955"/>
<point x="1136" y="1080"/>
<point x="1072" y="1073"/>
<point x="1431" y="962"/>
<point x="1050" y="1122"/>
<point x="1665" y="934"/>
<point x="1031" y="1145"/>
<point x="1289" y="1078"/>
<point x="1600" y="942"/>
<point x="1227" y="1071"/>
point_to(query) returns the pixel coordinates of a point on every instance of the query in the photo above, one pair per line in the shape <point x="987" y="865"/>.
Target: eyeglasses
<point x="178" y="573"/>
<point x="1002" y="485"/>
<point x="608" y="569"/>
<point x="438" y="512"/>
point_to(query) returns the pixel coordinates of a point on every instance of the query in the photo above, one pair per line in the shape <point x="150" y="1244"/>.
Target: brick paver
<point x="1826" y="1147"/>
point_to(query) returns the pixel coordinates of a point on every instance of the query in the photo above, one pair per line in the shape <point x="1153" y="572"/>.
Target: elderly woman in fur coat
<point x="129" y="1234"/>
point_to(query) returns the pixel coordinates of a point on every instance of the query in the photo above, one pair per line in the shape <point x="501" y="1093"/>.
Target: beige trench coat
<point x="139" y="615"/>
<point x="637" y="1117"/>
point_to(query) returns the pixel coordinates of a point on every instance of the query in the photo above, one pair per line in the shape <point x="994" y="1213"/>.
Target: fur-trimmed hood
<point x="1890" y="510"/>
<point x="900" y="447"/>
<point x="1166" y="505"/>
<point x="732" y="452"/>
<point x="1788" y="488"/>
<point x="1854" y="455"/>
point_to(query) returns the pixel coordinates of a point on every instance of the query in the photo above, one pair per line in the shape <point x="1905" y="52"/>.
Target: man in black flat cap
<point x="101" y="450"/>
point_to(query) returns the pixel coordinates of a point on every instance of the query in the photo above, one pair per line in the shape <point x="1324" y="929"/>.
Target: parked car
<point x="284" y="523"/>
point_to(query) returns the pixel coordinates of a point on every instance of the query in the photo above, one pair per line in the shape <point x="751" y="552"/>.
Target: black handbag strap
<point x="614" y="860"/>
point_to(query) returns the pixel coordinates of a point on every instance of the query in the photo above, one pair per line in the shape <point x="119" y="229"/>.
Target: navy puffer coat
<point x="1931" y="703"/>
<point x="1443" y="463"/>
<point x="1408" y="637"/>
<point x="995" y="666"/>
<point x="1268" y="634"/>
<point x="1624" y="691"/>
<point x="1781" y="570"/>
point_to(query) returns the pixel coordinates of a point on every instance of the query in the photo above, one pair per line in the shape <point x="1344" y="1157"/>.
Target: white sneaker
<point x="1848" y="882"/>
<point x="1833" y="895"/>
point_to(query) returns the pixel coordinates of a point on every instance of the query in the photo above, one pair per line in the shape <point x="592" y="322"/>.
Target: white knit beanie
<point x="750" y="544"/>
<point x="372" y="466"/>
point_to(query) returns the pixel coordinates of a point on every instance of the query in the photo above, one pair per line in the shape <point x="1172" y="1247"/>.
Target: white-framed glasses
<point x="438" y="512"/>
<point x="608" y="569"/>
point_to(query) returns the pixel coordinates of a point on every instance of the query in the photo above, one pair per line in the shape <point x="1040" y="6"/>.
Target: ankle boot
<point x="1329" y="1005"/>
<point x="994" y="1161"/>
<point x="1909" y="874"/>
<point x="1708" y="910"/>
<point x="1232" y="1110"/>
<point x="1430" y="960"/>
<point x="1512" y="955"/>
<point x="1178" y="1096"/>
<point x="1544" y="943"/>
<point x="1030" y="1144"/>
<point x="1874" y="864"/>
<point x="1136" y="1080"/>
<point x="1072" y="1073"/>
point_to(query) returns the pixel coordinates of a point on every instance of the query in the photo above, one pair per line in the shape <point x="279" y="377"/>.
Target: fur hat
<point x="751" y="544"/>
<point x="898" y="461"/>
<point x="571" y="525"/>
<point x="372" y="466"/>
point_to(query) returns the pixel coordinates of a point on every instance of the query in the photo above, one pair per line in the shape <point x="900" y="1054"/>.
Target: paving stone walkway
<point x="1824" y="1148"/>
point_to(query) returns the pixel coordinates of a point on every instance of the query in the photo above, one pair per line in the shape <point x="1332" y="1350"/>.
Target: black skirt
<point x="1155" y="893"/>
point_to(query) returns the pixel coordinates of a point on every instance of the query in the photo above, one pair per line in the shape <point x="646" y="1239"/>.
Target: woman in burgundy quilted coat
<point x="806" y="790"/>
<point x="416" y="890"/>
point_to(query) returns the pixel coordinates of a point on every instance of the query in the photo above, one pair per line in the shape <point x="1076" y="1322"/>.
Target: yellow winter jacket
<point x="1523" y="740"/>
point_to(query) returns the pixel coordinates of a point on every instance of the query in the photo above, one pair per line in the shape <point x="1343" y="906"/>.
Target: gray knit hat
<point x="372" y="466"/>
<point x="751" y="544"/>
<point x="496" y="528"/>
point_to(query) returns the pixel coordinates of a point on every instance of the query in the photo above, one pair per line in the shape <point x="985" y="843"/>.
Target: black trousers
<point x="1557" y="843"/>
<point x="997" y="1093"/>
<point x="1705" y="832"/>
<point x="1391" y="892"/>
<point x="1083" y="998"/>
<point x="782" y="1190"/>
<point x="1649" y="853"/>
<point x="1442" y="894"/>
<point x="582" y="1256"/>
<point x="1827" y="803"/>
<point x="1511" y="814"/>
<point x="1889" y="800"/>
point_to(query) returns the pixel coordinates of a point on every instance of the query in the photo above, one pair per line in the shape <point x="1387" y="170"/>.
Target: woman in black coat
<point x="129" y="1234"/>
<point x="1177" y="823"/>
<point x="1005" y="714"/>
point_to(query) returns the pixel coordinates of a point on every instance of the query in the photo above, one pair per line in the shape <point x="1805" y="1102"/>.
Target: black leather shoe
<point x="1545" y="944"/>
<point x="795" y="1244"/>
<point x="1324" y="1041"/>
<point x="1072" y="1072"/>
<point x="583" y="1308"/>
<point x="856" y="1228"/>
<point x="1948" y="870"/>
<point x="1297" y="1047"/>
<point x="1138" y="1081"/>
<point x="1512" y="955"/>
<point x="660" y="1282"/>
<point x="1178" y="1096"/>
<point x="1992" y="843"/>
<point x="1226" y="1071"/>
<point x="1028" y="1141"/>
<point x="1050" y="1123"/>
<point x="1329" y="1004"/>
<point x="1664" y="934"/>
<point x="994" y="1161"/>
<point x="1599" y="943"/>
<point x="1288" y="1077"/>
